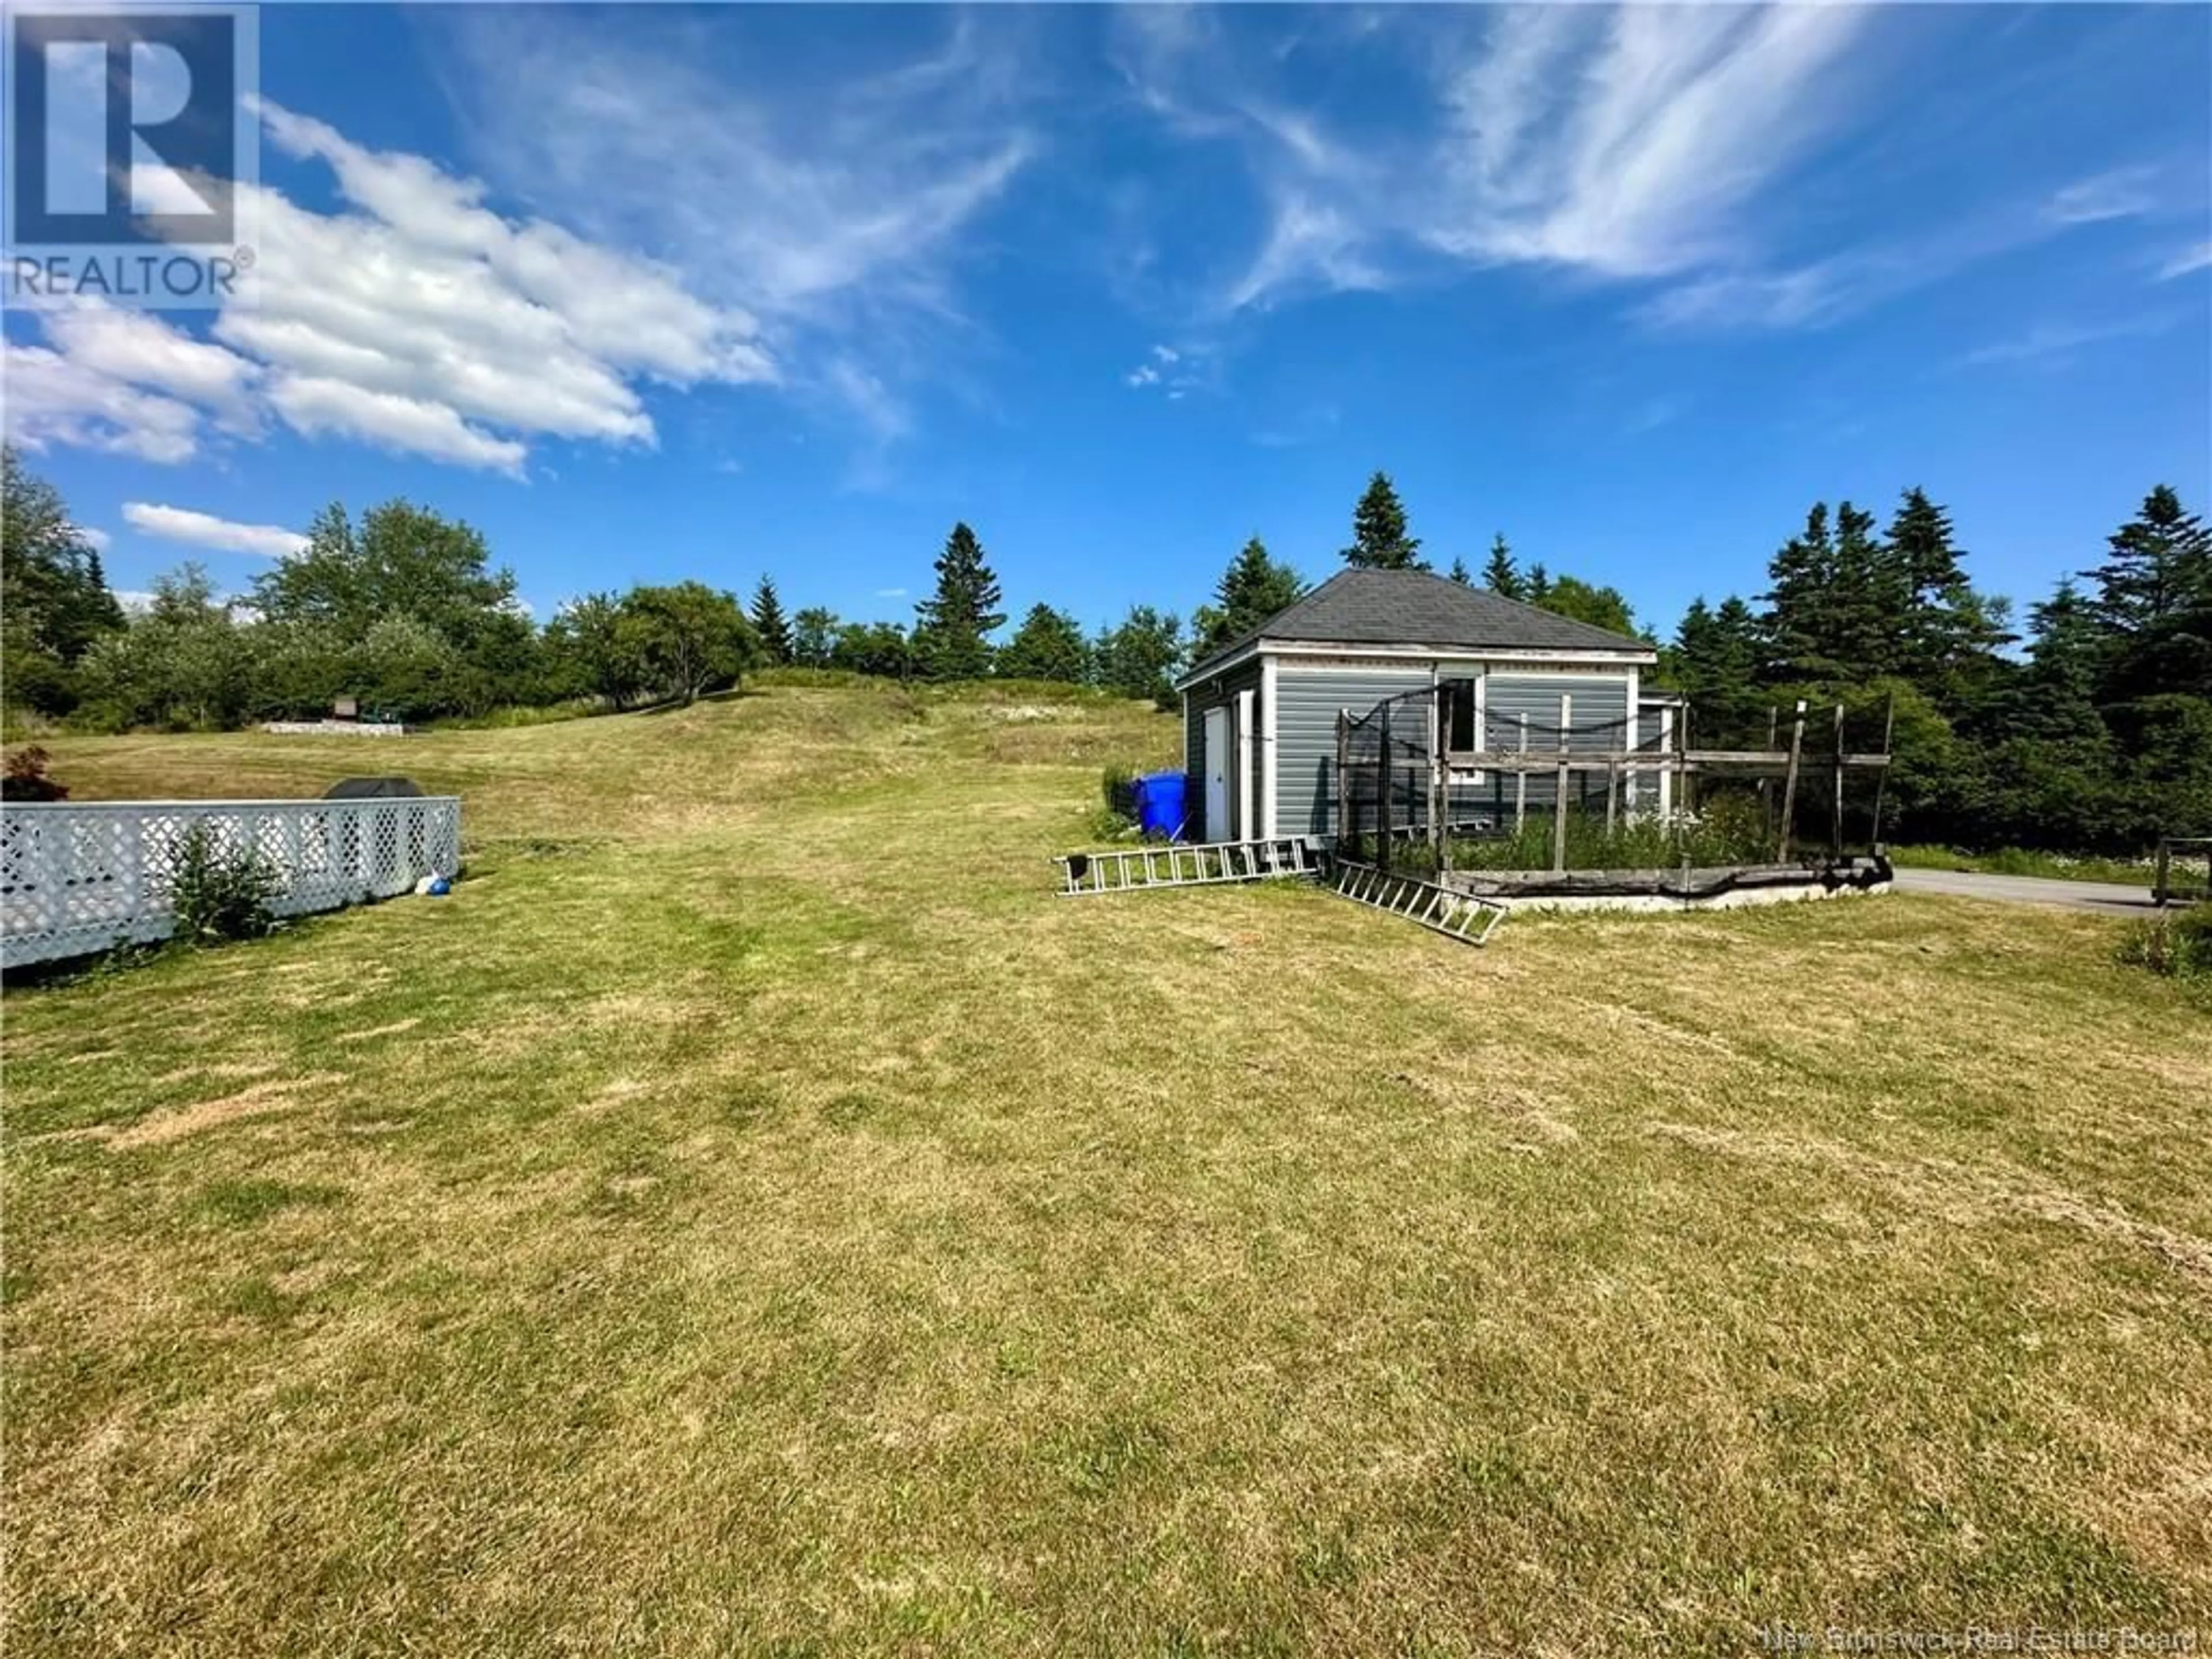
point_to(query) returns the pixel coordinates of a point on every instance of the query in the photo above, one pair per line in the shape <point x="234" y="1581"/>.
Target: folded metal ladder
<point x="1455" y="916"/>
<point x="1126" y="870"/>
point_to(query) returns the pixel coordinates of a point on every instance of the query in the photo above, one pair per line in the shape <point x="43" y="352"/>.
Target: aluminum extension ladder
<point x="1455" y="916"/>
<point x="1127" y="870"/>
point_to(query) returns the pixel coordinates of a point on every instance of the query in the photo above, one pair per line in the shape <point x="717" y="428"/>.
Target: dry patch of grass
<point x="758" y="1218"/>
<point x="256" y="1100"/>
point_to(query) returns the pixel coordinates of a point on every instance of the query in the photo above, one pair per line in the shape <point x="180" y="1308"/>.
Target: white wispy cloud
<point x="838" y="214"/>
<point x="1631" y="142"/>
<point x="181" y="524"/>
<point x="2053" y="342"/>
<point x="98" y="540"/>
<point x="1657" y="147"/>
<point x="1652" y="414"/>
<point x="2198" y="258"/>
<point x="1177" y="372"/>
<point x="2126" y="192"/>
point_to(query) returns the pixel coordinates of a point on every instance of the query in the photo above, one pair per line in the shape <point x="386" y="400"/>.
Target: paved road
<point x="2108" y="897"/>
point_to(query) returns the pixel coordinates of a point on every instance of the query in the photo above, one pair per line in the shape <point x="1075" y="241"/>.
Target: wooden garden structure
<point x="1403" y="771"/>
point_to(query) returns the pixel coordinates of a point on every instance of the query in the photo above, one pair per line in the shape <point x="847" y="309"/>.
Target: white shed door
<point x="1217" y="773"/>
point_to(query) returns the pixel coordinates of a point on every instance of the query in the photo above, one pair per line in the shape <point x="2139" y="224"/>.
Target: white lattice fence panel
<point x="79" y="877"/>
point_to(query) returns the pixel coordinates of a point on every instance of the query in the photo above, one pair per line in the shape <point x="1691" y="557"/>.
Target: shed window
<point x="1460" y="735"/>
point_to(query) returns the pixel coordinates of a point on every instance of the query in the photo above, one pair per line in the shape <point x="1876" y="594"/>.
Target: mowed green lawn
<point x="752" y="1215"/>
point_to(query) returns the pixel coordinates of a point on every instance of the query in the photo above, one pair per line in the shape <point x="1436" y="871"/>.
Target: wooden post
<point x="1382" y="795"/>
<point x="1765" y="785"/>
<point x="1559" y="796"/>
<point x="1438" y="734"/>
<point x="1683" y="804"/>
<point x="1612" y="797"/>
<point x="2161" y="885"/>
<point x="1839" y="848"/>
<point x="1344" y="819"/>
<point x="1790" y="785"/>
<point x="1881" y="780"/>
<point x="1521" y="782"/>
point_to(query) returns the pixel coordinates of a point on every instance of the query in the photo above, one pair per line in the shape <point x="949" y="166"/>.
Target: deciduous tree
<point x="813" y="636"/>
<point x="1140" y="656"/>
<point x="1601" y="607"/>
<point x="691" y="638"/>
<point x="54" y="599"/>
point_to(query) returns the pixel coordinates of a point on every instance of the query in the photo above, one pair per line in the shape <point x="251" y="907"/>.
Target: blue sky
<point x="655" y="293"/>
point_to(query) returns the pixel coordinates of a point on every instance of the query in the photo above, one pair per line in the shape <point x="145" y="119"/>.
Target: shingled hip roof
<point x="1411" y="607"/>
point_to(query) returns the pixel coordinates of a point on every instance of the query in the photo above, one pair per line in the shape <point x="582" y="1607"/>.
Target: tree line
<point x="2095" y="737"/>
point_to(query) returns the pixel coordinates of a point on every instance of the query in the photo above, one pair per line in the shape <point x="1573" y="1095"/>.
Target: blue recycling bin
<point x="1160" y="797"/>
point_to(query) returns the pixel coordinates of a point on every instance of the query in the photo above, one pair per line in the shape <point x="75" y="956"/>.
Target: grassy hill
<point x="752" y="1214"/>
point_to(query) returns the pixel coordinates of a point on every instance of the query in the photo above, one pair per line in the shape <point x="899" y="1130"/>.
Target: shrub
<point x="1117" y="786"/>
<point x="2176" y="943"/>
<point x="220" y="892"/>
<point x="25" y="777"/>
<point x="1726" y="830"/>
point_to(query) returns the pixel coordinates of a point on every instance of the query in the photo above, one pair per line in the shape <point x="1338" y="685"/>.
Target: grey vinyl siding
<point x="1220" y="689"/>
<point x="1308" y="695"/>
<point x="1307" y="699"/>
<point x="1598" y="698"/>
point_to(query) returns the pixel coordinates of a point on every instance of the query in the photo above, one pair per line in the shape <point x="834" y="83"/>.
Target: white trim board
<point x="1267" y="765"/>
<point x="1625" y="658"/>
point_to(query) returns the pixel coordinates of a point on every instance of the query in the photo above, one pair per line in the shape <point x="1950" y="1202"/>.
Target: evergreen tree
<point x="1379" y="541"/>
<point x="1499" y="574"/>
<point x="2153" y="603"/>
<point x="2056" y="695"/>
<point x="1798" y="622"/>
<point x="1948" y="629"/>
<point x="768" y="622"/>
<point x="952" y="628"/>
<point x="1715" y="663"/>
<point x="1254" y="588"/>
<point x="1857" y="614"/>
<point x="1460" y="572"/>
<point x="1536" y="586"/>
<point x="1048" y="645"/>
<point x="2161" y="563"/>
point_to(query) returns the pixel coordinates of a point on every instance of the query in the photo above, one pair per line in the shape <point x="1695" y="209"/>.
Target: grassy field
<point x="752" y="1216"/>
